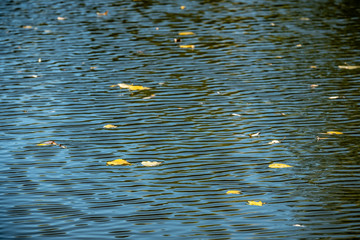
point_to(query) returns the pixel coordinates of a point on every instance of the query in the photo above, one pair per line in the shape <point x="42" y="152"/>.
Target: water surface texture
<point x="268" y="66"/>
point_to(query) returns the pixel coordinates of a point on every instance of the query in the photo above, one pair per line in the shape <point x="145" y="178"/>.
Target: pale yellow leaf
<point x="183" y="7"/>
<point x="118" y="162"/>
<point x="254" y="134"/>
<point x="233" y="192"/>
<point x="27" y="27"/>
<point x="61" y="18"/>
<point x="334" y="97"/>
<point x="150" y="164"/>
<point x="255" y="203"/>
<point x="132" y="87"/>
<point x="186" y="33"/>
<point x="110" y="126"/>
<point x="274" y="142"/>
<point x="187" y="46"/>
<point x="279" y="165"/>
<point x="349" y="67"/>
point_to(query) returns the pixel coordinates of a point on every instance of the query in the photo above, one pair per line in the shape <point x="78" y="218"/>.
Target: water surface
<point x="257" y="66"/>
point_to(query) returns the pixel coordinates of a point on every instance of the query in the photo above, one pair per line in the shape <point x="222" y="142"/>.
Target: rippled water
<point x="257" y="66"/>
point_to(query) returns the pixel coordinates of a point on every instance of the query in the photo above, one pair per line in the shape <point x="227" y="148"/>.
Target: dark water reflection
<point x="257" y="66"/>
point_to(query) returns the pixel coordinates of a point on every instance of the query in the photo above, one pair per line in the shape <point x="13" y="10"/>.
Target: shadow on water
<point x="255" y="66"/>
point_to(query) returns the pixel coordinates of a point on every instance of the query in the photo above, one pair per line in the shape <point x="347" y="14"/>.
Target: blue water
<point x="257" y="66"/>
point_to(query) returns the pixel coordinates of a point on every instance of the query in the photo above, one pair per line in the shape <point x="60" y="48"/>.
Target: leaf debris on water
<point x="187" y="46"/>
<point x="109" y="126"/>
<point x="186" y="33"/>
<point x="132" y="87"/>
<point x="117" y="162"/>
<point x="255" y="203"/>
<point x="279" y="165"/>
<point x="233" y="192"/>
<point x="49" y="143"/>
<point x="150" y="163"/>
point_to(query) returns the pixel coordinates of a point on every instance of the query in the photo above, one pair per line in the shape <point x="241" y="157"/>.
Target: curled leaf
<point x="187" y="46"/>
<point x="255" y="203"/>
<point x="110" y="126"/>
<point x="99" y="14"/>
<point x="49" y="143"/>
<point x="117" y="162"/>
<point x="254" y="134"/>
<point x="132" y="87"/>
<point x="186" y="33"/>
<point x="233" y="192"/>
<point x="279" y="165"/>
<point x="150" y="164"/>
<point x="274" y="142"/>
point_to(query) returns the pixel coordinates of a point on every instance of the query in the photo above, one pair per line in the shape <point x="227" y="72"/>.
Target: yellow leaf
<point x="233" y="192"/>
<point x="186" y="33"/>
<point x="333" y="132"/>
<point x="187" y="46"/>
<point x="118" y="162"/>
<point x="255" y="203"/>
<point x="349" y="67"/>
<point x="150" y="164"/>
<point x="132" y="87"/>
<point x="279" y="165"/>
<point x="183" y="7"/>
<point x="27" y="27"/>
<point x="43" y="144"/>
<point x="110" y="126"/>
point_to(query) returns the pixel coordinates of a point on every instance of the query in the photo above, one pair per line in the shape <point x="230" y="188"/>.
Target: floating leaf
<point x="49" y="143"/>
<point x="314" y="85"/>
<point x="274" y="142"/>
<point x="27" y="27"/>
<point x="132" y="87"/>
<point x="254" y="134"/>
<point x="99" y="14"/>
<point x="255" y="203"/>
<point x="233" y="192"/>
<point x="298" y="225"/>
<point x="334" y="97"/>
<point x="349" y="67"/>
<point x="187" y="46"/>
<point x="182" y="7"/>
<point x="117" y="162"/>
<point x="110" y="126"/>
<point x="333" y="133"/>
<point x="279" y="165"/>
<point x="150" y="164"/>
<point x="186" y="33"/>
<point x="61" y="18"/>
